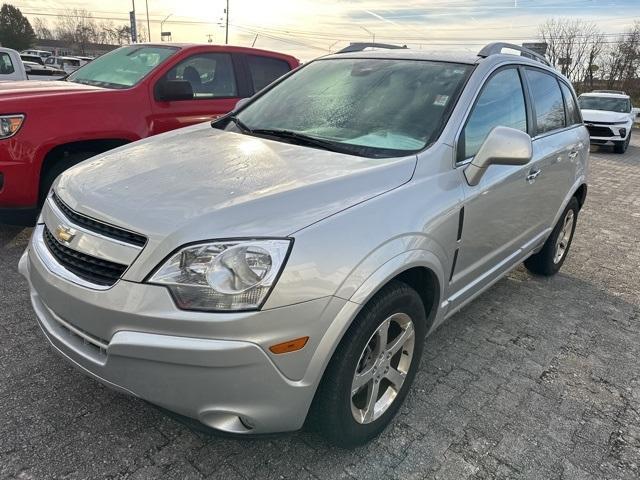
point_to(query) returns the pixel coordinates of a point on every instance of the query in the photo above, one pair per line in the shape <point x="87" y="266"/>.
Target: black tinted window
<point x="6" y="65"/>
<point x="547" y="101"/>
<point x="501" y="103"/>
<point x="265" y="70"/>
<point x="573" y="113"/>
<point x="210" y="75"/>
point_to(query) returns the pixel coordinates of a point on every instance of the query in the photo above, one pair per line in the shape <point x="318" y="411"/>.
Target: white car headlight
<point x="223" y="276"/>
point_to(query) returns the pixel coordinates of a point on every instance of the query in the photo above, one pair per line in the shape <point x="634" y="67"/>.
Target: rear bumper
<point x="233" y="385"/>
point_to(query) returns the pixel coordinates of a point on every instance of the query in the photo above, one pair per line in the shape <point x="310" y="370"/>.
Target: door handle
<point x="573" y="154"/>
<point x="533" y="174"/>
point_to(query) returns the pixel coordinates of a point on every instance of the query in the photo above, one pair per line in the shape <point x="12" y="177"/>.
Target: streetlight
<point x="162" y="32"/>
<point x="369" y="32"/>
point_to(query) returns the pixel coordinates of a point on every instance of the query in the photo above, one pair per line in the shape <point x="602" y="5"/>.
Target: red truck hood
<point x="31" y="87"/>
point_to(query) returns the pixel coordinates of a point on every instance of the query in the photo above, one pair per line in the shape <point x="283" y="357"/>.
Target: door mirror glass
<point x="503" y="146"/>
<point x="169" y="90"/>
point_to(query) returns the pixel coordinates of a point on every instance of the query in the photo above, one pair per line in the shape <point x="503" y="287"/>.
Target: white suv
<point x="609" y="118"/>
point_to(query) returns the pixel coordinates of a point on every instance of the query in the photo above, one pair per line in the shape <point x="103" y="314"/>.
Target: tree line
<point x="77" y="27"/>
<point x="592" y="59"/>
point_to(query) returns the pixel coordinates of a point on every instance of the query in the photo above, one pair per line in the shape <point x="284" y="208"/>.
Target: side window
<point x="6" y="65"/>
<point x="547" y="101"/>
<point x="573" y="112"/>
<point x="210" y="75"/>
<point x="500" y="103"/>
<point x="264" y="70"/>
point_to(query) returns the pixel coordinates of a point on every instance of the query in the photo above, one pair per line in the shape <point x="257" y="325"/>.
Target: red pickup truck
<point x="125" y="95"/>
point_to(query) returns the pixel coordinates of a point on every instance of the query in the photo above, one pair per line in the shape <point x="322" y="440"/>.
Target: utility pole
<point x="226" y="30"/>
<point x="148" y="23"/>
<point x="132" y="19"/>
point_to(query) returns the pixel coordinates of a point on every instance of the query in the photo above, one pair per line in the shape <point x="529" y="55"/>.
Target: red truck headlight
<point x="10" y="124"/>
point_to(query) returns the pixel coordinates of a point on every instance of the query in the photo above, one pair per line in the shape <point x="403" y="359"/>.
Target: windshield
<point x="609" y="104"/>
<point x="370" y="107"/>
<point x="32" y="58"/>
<point x="122" y="68"/>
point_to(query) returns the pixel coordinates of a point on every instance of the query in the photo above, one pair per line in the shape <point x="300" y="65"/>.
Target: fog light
<point x="622" y="132"/>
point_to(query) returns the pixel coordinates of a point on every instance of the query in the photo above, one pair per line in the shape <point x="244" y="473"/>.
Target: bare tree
<point x="621" y="61"/>
<point x="572" y="46"/>
<point x="41" y="28"/>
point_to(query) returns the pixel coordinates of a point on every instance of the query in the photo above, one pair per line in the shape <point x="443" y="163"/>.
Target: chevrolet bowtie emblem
<point x="64" y="234"/>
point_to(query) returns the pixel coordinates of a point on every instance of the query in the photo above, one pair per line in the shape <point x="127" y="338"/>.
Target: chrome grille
<point x="92" y="269"/>
<point x="99" y="227"/>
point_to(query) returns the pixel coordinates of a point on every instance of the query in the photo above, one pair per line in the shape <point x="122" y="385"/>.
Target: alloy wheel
<point x="382" y="368"/>
<point x="564" y="237"/>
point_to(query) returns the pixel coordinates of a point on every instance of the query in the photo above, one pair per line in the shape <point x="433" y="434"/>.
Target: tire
<point x="59" y="166"/>
<point x="546" y="262"/>
<point x="621" y="147"/>
<point x="334" y="409"/>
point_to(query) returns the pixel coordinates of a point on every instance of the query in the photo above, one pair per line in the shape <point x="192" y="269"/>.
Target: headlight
<point x="223" y="276"/>
<point x="27" y="68"/>
<point x="10" y="124"/>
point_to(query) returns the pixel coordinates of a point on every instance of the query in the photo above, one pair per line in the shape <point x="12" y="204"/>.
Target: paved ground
<point x="539" y="378"/>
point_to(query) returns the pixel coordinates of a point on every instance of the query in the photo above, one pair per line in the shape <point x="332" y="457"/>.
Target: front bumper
<point x="603" y="134"/>
<point x="129" y="337"/>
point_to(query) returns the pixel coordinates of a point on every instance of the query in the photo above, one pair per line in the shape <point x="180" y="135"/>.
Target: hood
<point x="32" y="87"/>
<point x="201" y="183"/>
<point x="596" y="116"/>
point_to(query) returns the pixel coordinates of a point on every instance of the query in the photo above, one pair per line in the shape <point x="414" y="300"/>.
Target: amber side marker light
<point x="290" y="346"/>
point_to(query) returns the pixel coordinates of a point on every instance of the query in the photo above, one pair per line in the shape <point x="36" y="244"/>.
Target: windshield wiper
<point x="240" y="124"/>
<point x="302" y="139"/>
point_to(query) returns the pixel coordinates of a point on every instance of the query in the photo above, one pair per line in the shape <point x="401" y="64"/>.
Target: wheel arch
<point x="581" y="194"/>
<point x="418" y="269"/>
<point x="64" y="150"/>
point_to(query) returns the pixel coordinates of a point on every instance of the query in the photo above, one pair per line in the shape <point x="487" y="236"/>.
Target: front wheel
<point x="554" y="252"/>
<point x="372" y="369"/>
<point x="621" y="147"/>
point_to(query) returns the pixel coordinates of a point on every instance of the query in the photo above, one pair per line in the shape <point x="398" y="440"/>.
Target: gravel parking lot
<point x="538" y="378"/>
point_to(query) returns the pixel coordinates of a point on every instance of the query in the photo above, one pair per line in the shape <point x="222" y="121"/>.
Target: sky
<point x="308" y="29"/>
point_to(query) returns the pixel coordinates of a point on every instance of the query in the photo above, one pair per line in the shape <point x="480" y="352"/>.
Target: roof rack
<point x="360" y="46"/>
<point x="617" y="92"/>
<point x="496" y="48"/>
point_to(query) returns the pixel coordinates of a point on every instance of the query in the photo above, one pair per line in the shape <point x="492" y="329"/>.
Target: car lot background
<point x="538" y="378"/>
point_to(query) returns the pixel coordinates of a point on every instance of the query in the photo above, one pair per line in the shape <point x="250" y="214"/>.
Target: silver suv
<point x="287" y="261"/>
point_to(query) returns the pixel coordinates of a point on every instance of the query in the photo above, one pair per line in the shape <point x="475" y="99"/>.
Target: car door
<point x="499" y="213"/>
<point x="216" y="89"/>
<point x="556" y="146"/>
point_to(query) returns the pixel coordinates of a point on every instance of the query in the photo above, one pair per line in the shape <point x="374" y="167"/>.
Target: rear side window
<point x="264" y="70"/>
<point x="211" y="75"/>
<point x="501" y="103"/>
<point x="573" y="112"/>
<point x="547" y="101"/>
<point x="6" y="65"/>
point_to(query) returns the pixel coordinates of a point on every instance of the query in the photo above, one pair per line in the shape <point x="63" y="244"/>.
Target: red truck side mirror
<point x="168" y="90"/>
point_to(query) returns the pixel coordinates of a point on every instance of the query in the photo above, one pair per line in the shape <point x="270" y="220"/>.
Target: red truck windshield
<point x="122" y="68"/>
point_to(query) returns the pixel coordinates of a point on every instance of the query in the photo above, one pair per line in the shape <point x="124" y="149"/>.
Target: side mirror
<point x="241" y="103"/>
<point x="168" y="90"/>
<point x="503" y="146"/>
